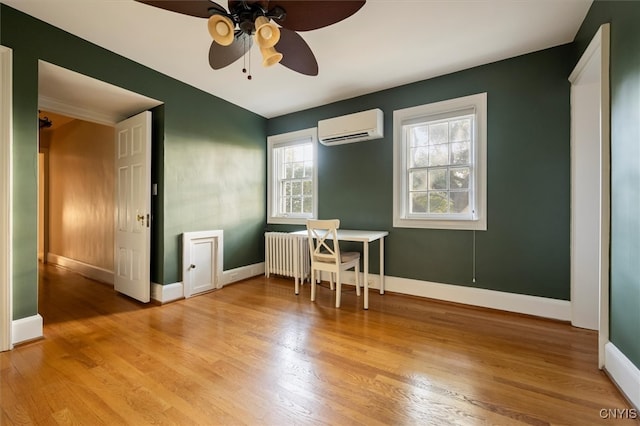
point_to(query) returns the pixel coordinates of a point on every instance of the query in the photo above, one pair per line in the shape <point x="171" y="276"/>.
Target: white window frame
<point x="276" y="141"/>
<point x="428" y="112"/>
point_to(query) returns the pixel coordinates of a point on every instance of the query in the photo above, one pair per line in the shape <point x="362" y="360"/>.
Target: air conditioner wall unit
<point x="356" y="127"/>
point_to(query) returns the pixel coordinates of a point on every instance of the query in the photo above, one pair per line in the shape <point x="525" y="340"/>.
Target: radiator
<point x="286" y="255"/>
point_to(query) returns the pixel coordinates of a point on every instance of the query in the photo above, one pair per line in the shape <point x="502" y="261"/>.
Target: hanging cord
<point x="473" y="272"/>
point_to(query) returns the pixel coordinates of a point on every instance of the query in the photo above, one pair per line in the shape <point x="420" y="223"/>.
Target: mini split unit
<point x="360" y="126"/>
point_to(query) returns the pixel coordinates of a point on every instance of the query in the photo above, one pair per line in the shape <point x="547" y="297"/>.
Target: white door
<point x="133" y="207"/>
<point x="590" y="182"/>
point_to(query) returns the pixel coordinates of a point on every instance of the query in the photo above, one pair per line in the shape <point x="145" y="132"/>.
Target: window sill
<point x="287" y="220"/>
<point x="469" y="225"/>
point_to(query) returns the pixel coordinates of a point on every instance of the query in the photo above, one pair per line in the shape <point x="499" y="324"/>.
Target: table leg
<point x="366" y="274"/>
<point x="382" y="265"/>
<point x="296" y="267"/>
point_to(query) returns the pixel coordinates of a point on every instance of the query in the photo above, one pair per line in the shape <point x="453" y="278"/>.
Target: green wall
<point x="209" y="155"/>
<point x="526" y="247"/>
<point x="209" y="162"/>
<point x="624" y="17"/>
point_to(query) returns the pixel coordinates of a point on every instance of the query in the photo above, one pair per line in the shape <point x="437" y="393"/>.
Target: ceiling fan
<point x="271" y="23"/>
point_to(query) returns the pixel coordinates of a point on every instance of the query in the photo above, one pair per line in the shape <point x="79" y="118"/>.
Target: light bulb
<point x="266" y="33"/>
<point x="222" y="29"/>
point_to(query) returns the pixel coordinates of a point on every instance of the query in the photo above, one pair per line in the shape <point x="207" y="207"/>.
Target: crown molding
<point x="59" y="107"/>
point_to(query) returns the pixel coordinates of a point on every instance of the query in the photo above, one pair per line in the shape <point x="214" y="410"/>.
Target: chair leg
<point x="357" y="278"/>
<point x="331" y="286"/>
<point x="313" y="285"/>
<point x="338" y="288"/>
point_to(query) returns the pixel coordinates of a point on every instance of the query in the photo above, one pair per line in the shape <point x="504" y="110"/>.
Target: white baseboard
<point x="84" y="269"/>
<point x="167" y="293"/>
<point x="175" y="291"/>
<point x="519" y="303"/>
<point x="511" y="302"/>
<point x="25" y="329"/>
<point x="242" y="273"/>
<point x="623" y="372"/>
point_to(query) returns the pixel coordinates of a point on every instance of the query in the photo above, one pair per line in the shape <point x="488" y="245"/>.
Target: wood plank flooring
<point x="254" y="353"/>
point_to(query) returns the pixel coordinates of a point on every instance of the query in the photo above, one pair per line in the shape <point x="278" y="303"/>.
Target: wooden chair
<point x="326" y="255"/>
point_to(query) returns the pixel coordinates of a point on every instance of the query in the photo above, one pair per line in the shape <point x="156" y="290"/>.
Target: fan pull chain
<point x="249" y="76"/>
<point x="244" y="58"/>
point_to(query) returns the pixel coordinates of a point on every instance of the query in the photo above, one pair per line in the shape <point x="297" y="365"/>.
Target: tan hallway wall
<point x="42" y="171"/>
<point x="81" y="197"/>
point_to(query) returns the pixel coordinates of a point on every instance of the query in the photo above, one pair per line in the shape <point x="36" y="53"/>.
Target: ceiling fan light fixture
<point x="221" y="29"/>
<point x="270" y="56"/>
<point x="267" y="33"/>
<point x="267" y="23"/>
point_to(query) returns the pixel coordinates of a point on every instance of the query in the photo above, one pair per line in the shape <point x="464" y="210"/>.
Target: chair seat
<point x="344" y="257"/>
<point x="348" y="256"/>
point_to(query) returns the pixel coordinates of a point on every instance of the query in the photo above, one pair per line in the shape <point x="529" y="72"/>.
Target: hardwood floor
<point x="254" y="353"/>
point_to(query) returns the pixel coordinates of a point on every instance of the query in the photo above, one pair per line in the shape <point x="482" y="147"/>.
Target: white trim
<point x="217" y="256"/>
<point x="242" y="273"/>
<point x="623" y="373"/>
<point x="167" y="293"/>
<point x="401" y="218"/>
<point x="291" y="138"/>
<point x="26" y="329"/>
<point x="6" y="183"/>
<point x="84" y="269"/>
<point x="59" y="107"/>
<point x="605" y="205"/>
<point x="175" y="291"/>
<point x="510" y="302"/>
<point x="600" y="40"/>
<point x="598" y="49"/>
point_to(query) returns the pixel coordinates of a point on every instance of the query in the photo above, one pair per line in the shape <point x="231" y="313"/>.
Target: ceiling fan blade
<point x="296" y="53"/>
<point x="197" y="8"/>
<point x="221" y="56"/>
<point x="305" y="15"/>
<point x="233" y="4"/>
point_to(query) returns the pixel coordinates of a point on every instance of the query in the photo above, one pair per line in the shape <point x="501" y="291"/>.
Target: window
<point x="440" y="165"/>
<point x="292" y="184"/>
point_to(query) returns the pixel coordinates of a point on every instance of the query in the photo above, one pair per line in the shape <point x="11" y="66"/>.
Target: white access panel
<point x="202" y="261"/>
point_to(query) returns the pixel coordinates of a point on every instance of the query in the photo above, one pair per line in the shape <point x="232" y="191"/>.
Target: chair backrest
<point x="323" y="240"/>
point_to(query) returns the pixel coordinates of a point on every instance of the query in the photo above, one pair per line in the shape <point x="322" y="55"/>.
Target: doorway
<point x="590" y="189"/>
<point x="82" y="107"/>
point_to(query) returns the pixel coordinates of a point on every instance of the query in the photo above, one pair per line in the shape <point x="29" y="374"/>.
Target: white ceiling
<point x="76" y="95"/>
<point x="385" y="44"/>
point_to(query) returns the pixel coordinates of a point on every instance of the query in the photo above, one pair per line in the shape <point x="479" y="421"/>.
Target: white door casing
<point x="590" y="189"/>
<point x="6" y="302"/>
<point x="202" y="259"/>
<point x="133" y="207"/>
